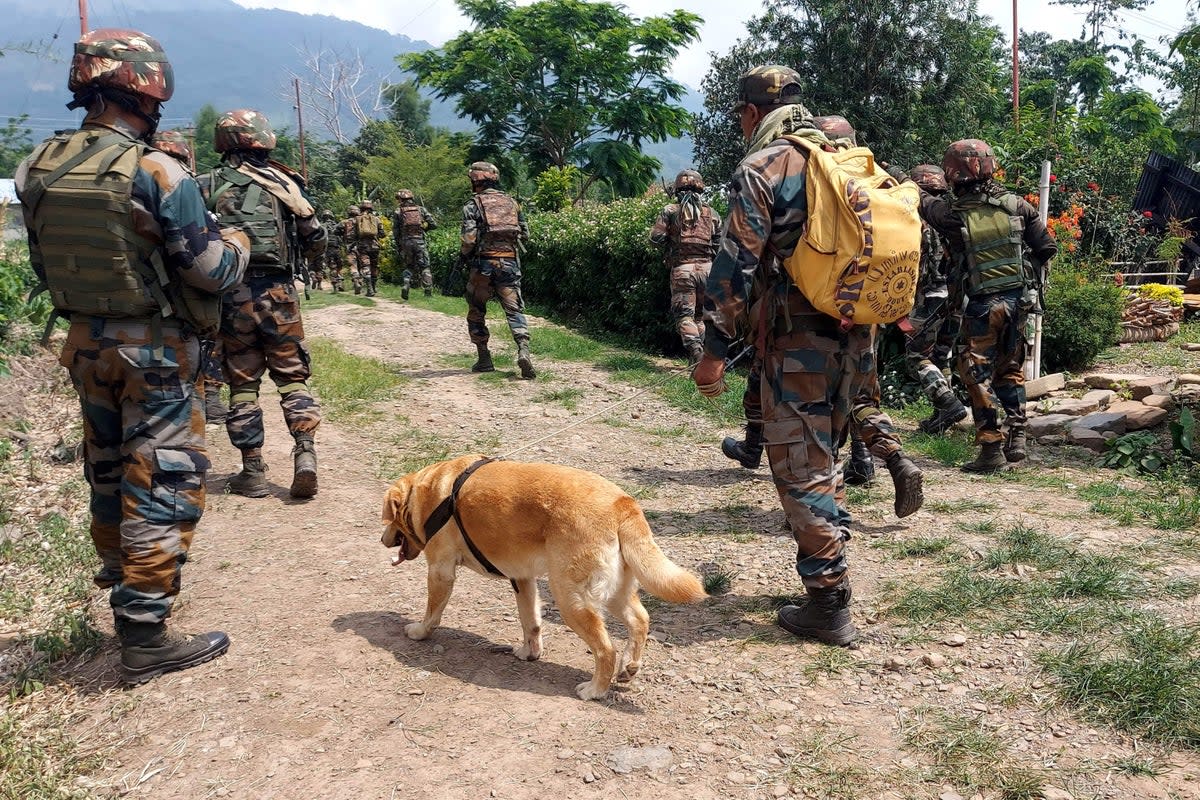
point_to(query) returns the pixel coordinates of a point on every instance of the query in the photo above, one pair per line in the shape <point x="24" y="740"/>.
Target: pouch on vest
<point x="859" y="257"/>
<point x="238" y="201"/>
<point x="993" y="235"/>
<point x="366" y="225"/>
<point x="411" y="222"/>
<point x="696" y="239"/>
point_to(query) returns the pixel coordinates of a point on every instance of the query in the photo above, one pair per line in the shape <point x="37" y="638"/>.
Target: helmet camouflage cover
<point x="174" y="144"/>
<point x="118" y="58"/>
<point x="405" y="196"/>
<point x="366" y="205"/>
<point x="243" y="129"/>
<point x="483" y="171"/>
<point x="771" y="85"/>
<point x="689" y="180"/>
<point x="929" y="177"/>
<point x="352" y="211"/>
<point x="835" y="126"/>
<point x="968" y="160"/>
<point x="327" y="214"/>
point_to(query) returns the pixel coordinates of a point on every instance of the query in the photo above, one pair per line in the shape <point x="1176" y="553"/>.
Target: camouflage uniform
<point x="261" y="328"/>
<point x="366" y="250"/>
<point x="335" y="255"/>
<point x="347" y="235"/>
<point x="409" y="223"/>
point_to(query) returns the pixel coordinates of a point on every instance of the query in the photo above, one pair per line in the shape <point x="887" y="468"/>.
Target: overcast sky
<point x="435" y="21"/>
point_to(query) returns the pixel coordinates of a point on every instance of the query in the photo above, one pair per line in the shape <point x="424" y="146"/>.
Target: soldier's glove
<point x="709" y="376"/>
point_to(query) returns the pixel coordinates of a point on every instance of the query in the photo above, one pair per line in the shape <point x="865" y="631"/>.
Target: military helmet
<point x="405" y="196"/>
<point x="366" y="205"/>
<point x="243" y="129"/>
<point x="174" y="144"/>
<point x="689" y="180"/>
<point x="967" y="161"/>
<point x="327" y="214"/>
<point x="119" y="58"/>
<point x="929" y="177"/>
<point x="483" y="171"/>
<point x="835" y="126"/>
<point x="771" y="85"/>
<point x="352" y="211"/>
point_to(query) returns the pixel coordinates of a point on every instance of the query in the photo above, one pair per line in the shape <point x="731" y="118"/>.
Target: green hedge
<point x="1083" y="317"/>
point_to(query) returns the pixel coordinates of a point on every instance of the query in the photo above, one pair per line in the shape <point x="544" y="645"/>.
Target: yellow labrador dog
<point x="525" y="520"/>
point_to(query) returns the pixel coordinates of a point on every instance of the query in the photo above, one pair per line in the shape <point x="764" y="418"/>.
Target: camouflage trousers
<point x="261" y="332"/>
<point x="335" y="263"/>
<point x="687" y="301"/>
<point x="815" y="378"/>
<point x="991" y="363"/>
<point x="316" y="271"/>
<point x="413" y="253"/>
<point x="499" y="278"/>
<point x="143" y="429"/>
<point x="367" y="260"/>
<point x="936" y="325"/>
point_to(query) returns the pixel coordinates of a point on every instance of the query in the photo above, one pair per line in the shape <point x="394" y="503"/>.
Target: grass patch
<point x="411" y="450"/>
<point x="349" y="385"/>
<point x="967" y="753"/>
<point x="718" y="579"/>
<point x="568" y="398"/>
<point x="1165" y="507"/>
<point x="825" y="768"/>
<point x="919" y="547"/>
<point x="985" y="527"/>
<point x="321" y="298"/>
<point x="1023" y="545"/>
<point x="960" y="593"/>
<point x="951" y="449"/>
<point x="961" y="506"/>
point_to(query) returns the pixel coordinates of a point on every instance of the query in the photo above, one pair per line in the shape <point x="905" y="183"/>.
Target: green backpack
<point x="241" y="203"/>
<point x="993" y="234"/>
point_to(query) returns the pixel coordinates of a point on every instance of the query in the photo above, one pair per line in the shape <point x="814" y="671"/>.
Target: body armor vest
<point x="239" y="202"/>
<point x="693" y="242"/>
<point x="993" y="237"/>
<point x="502" y="226"/>
<point x="410" y="221"/>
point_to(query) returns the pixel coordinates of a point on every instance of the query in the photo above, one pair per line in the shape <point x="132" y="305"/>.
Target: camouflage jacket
<point x="694" y="243"/>
<point x="402" y="231"/>
<point x="474" y="234"/>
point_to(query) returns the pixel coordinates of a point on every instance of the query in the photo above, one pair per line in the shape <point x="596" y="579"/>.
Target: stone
<point x="780" y="790"/>
<point x="1148" y="386"/>
<point x="1076" y="407"/>
<point x="1187" y="395"/>
<point x="1053" y="793"/>
<point x="1102" y="397"/>
<point x="1191" y="347"/>
<point x="1056" y="440"/>
<point x="956" y="640"/>
<point x="1076" y="383"/>
<point x="1102" y="422"/>
<point x="1110" y="380"/>
<point x="1187" y="379"/>
<point x="1049" y="424"/>
<point x="1138" y="416"/>
<point x="896" y="664"/>
<point x="933" y="660"/>
<point x="1044" y="385"/>
<point x="1083" y="437"/>
<point x="1159" y="401"/>
<point x="625" y="760"/>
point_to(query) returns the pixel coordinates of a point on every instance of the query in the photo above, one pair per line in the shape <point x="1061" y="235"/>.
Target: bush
<point x="1083" y="317"/>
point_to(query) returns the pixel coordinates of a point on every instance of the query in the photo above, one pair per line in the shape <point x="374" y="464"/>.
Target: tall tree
<point x="16" y="142"/>
<point x="407" y="109"/>
<point x="564" y="81"/>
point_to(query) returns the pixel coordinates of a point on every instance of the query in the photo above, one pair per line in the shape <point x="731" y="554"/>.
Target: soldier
<point x="688" y="231"/>
<point x="1001" y="248"/>
<point x="493" y="229"/>
<point x="812" y="367"/>
<point x="119" y="236"/>
<point x="937" y="316"/>
<point x="409" y="223"/>
<point x="348" y="237"/>
<point x="175" y="144"/>
<point x="368" y="230"/>
<point x="335" y="258"/>
<point x="261" y="329"/>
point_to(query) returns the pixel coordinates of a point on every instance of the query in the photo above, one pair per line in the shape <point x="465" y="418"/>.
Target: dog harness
<point x="448" y="508"/>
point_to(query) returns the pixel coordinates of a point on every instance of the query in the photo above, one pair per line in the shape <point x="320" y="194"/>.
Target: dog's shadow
<point x="473" y="659"/>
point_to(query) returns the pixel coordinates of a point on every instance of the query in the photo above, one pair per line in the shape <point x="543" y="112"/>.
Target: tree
<point x="205" y="123"/>
<point x="338" y="88"/>
<point x="564" y="82"/>
<point x="436" y="173"/>
<point x="407" y="109"/>
<point x="16" y="142"/>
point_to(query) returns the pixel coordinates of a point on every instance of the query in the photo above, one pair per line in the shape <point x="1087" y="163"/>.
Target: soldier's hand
<point x="709" y="376"/>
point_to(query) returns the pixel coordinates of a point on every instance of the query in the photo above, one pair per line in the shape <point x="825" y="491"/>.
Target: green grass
<point x="1159" y="354"/>
<point x="567" y="397"/>
<point x="951" y="449"/>
<point x="1162" y="506"/>
<point x="960" y="594"/>
<point x="719" y="579"/>
<point x="348" y="385"/>
<point x="961" y="506"/>
<point x="409" y="450"/>
<point x="918" y="547"/>
<point x="967" y="753"/>
<point x="323" y="298"/>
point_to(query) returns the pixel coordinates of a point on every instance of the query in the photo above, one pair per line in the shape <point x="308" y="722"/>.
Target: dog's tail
<point x="658" y="574"/>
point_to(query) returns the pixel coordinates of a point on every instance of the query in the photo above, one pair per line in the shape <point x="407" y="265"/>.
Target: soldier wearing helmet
<point x="999" y="248"/>
<point x="174" y="144"/>
<point x="366" y="230"/>
<point x="688" y="231"/>
<point x="410" y="220"/>
<point x="261" y="329"/>
<point x="494" y="231"/>
<point x="348" y="237"/>
<point x="335" y="254"/>
<point x="811" y="368"/>
<point x="140" y="295"/>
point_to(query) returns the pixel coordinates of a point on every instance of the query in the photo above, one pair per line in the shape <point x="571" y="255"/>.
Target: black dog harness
<point x="448" y="508"/>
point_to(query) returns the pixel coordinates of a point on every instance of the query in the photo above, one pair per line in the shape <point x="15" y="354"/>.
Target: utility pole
<point x="190" y="131"/>
<point x="1016" y="86"/>
<point x="83" y="23"/>
<point x="300" y="125"/>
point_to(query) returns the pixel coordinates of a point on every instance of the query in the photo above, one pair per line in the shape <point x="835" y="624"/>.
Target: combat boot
<point x="749" y="452"/>
<point x="907" y="480"/>
<point x="1014" y="444"/>
<point x="404" y="289"/>
<point x="947" y="410"/>
<point x="304" y="457"/>
<point x="215" y="410"/>
<point x="990" y="459"/>
<point x="148" y="649"/>
<point x="252" y="480"/>
<point x="695" y="353"/>
<point x="525" y="362"/>
<point x="861" y="469"/>
<point x="484" y="362"/>
<point x="428" y="292"/>
<point x="824" y="615"/>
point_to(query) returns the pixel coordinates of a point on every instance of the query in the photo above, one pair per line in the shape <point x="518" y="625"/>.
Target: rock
<point x="1052" y="793"/>
<point x="1187" y="379"/>
<point x="625" y="760"/>
<point x="780" y="790"/>
<point x="1056" y="440"/>
<point x="1076" y="383"/>
<point x="363" y="763"/>
<point x="1138" y="416"/>
<point x="1044" y="385"/>
<point x="1074" y="407"/>
<point x="956" y="640"/>
<point x="1159" y="401"/>
<point x="1102" y="422"/>
<point x="950" y="796"/>
<point x="1102" y="397"/>
<point x="1148" y="386"/>
<point x="933" y="660"/>
<point x="707" y="748"/>
<point x="1049" y="424"/>
<point x="1110" y="380"/>
<point x="1187" y="395"/>
<point x="895" y="664"/>
<point x="1083" y="437"/>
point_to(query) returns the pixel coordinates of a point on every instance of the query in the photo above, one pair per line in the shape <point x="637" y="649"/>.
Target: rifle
<point x="452" y="275"/>
<point x="299" y="262"/>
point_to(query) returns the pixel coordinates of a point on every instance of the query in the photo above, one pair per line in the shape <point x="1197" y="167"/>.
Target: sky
<point x="436" y="21"/>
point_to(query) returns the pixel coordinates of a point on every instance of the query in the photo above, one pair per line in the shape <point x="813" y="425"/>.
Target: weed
<point x="411" y="450"/>
<point x="1139" y="767"/>
<point x="985" y="527"/>
<point x="1023" y="545"/>
<point x="1091" y="575"/>
<point x="824" y="769"/>
<point x="1163" y="506"/>
<point x="1181" y="588"/>
<point x="919" y="547"/>
<point x="1081" y="619"/>
<point x="719" y="579"/>
<point x="967" y="752"/>
<point x="951" y="448"/>
<point x="961" y="506"/>
<point x="568" y="398"/>
<point x="348" y="385"/>
<point x="960" y="592"/>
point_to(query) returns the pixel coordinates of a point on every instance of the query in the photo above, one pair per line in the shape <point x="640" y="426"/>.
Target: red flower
<point x="1148" y="214"/>
<point x="1053" y="177"/>
<point x="1095" y="187"/>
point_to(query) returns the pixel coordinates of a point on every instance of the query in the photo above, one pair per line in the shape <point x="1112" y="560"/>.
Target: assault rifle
<point x="299" y="262"/>
<point x="453" y="275"/>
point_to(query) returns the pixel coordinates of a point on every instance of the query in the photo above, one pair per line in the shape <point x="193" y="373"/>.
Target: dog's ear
<point x="394" y="501"/>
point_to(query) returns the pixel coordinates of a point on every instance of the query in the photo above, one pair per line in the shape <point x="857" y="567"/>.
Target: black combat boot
<point x="947" y="410"/>
<point x="215" y="409"/>
<point x="428" y="291"/>
<point x="990" y="459"/>
<point x="1014" y="444"/>
<point x="252" y="480"/>
<point x="484" y="362"/>
<point x="907" y="479"/>
<point x="824" y="615"/>
<point x="524" y="361"/>
<point x="148" y="649"/>
<point x="304" y="456"/>
<point x="404" y="288"/>
<point x="749" y="452"/>
<point x="861" y="468"/>
<point x="370" y="287"/>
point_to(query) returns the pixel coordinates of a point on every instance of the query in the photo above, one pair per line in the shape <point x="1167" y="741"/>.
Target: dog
<point x="526" y="520"/>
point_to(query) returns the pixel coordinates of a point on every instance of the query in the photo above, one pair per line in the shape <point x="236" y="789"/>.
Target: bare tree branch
<point x="335" y="85"/>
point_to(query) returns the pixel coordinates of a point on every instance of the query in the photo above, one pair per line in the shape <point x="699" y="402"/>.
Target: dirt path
<point x="322" y="695"/>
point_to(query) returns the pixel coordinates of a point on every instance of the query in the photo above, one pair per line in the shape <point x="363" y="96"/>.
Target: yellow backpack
<point x="860" y="255"/>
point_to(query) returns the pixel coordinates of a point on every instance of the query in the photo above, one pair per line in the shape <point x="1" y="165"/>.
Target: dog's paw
<point x="416" y="631"/>
<point x="587" y="691"/>
<point x="626" y="675"/>
<point x="528" y="652"/>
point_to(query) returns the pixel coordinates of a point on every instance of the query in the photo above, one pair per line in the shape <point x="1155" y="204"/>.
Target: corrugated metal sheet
<point x="1169" y="189"/>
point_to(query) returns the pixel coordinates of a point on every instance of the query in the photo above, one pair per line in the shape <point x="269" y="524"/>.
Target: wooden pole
<point x="1016" y="79"/>
<point x="83" y="22"/>
<point x="191" y="138"/>
<point x="300" y="126"/>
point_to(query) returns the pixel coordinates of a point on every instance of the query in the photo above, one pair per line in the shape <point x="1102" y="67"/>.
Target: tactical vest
<point x="993" y="238"/>
<point x="80" y="196"/>
<point x="410" y="221"/>
<point x="366" y="226"/>
<point x="239" y="202"/>
<point x="694" y="242"/>
<point x="502" y="226"/>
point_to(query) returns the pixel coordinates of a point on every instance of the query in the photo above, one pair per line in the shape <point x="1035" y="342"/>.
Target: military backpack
<point x="993" y="238"/>
<point x="411" y="221"/>
<point x="695" y="238"/>
<point x="238" y="201"/>
<point x="366" y="226"/>
<point x="502" y="224"/>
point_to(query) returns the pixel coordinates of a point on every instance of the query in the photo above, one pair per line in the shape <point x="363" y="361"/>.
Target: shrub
<point x="1083" y="317"/>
